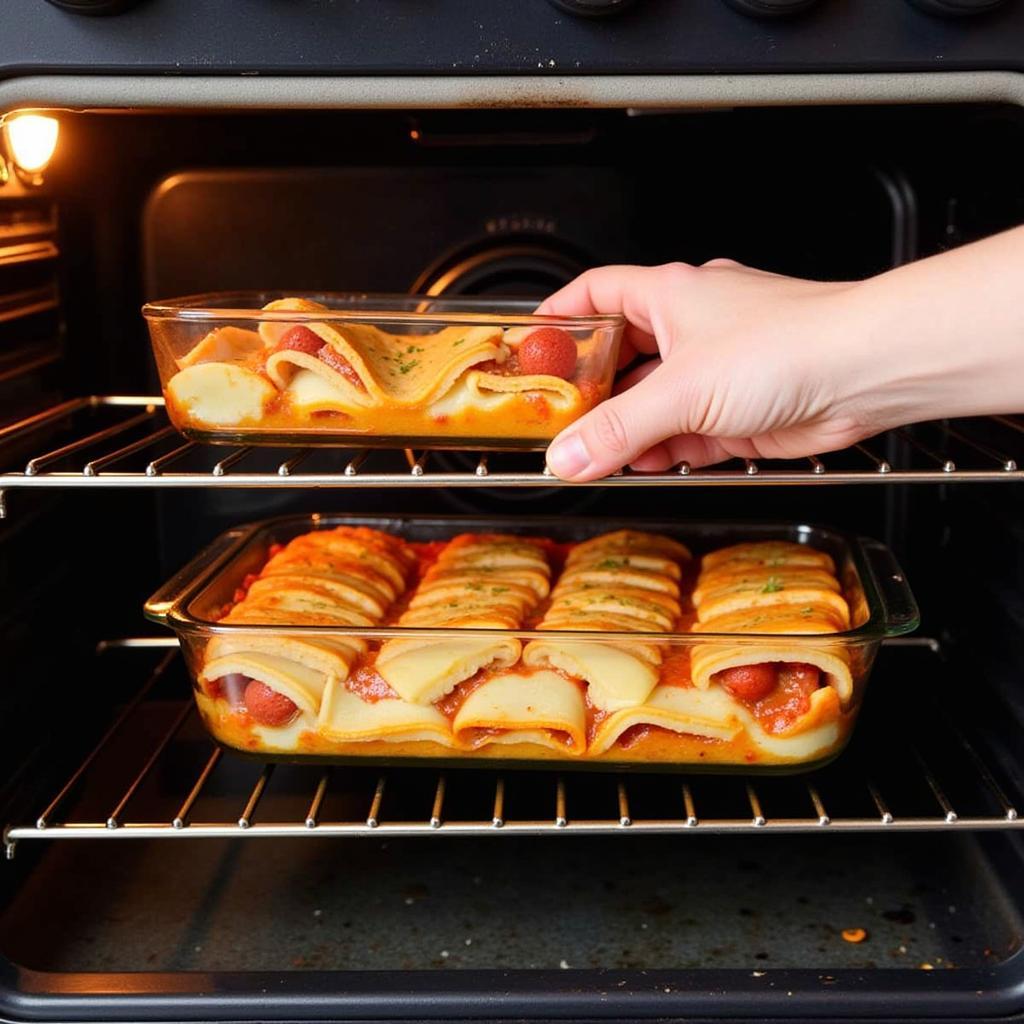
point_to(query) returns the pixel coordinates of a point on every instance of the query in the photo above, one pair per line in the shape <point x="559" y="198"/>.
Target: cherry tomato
<point x="267" y="706"/>
<point x="300" y="339"/>
<point x="748" y="682"/>
<point x="549" y="351"/>
<point x="337" y="362"/>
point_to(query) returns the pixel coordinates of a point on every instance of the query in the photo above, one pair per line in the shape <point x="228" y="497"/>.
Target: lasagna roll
<point x="344" y="577"/>
<point x="626" y="581"/>
<point x="479" y="581"/>
<point x="780" y="690"/>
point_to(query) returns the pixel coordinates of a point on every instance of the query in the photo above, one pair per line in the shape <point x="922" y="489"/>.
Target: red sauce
<point x="790" y="699"/>
<point x="675" y="669"/>
<point x="365" y="682"/>
<point x="539" y="404"/>
<point x="638" y="733"/>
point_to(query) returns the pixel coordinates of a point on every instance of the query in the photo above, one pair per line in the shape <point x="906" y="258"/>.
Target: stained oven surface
<point x="152" y="876"/>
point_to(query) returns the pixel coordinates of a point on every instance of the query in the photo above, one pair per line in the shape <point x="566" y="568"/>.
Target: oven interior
<point x="593" y="895"/>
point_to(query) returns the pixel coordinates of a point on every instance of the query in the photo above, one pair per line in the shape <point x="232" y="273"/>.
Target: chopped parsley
<point x="474" y="586"/>
<point x="499" y="590"/>
<point x="457" y="342"/>
<point x="404" y="368"/>
<point x="413" y="348"/>
<point x="807" y="612"/>
<point x="773" y="586"/>
<point x="611" y="563"/>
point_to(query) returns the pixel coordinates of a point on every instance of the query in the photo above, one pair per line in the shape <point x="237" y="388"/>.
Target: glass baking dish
<point x="677" y="726"/>
<point x="335" y="369"/>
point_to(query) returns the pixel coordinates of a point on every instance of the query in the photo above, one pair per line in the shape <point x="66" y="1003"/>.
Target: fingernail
<point x="568" y="457"/>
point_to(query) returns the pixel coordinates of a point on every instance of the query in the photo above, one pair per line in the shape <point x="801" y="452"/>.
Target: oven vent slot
<point x="126" y="441"/>
<point x="155" y="775"/>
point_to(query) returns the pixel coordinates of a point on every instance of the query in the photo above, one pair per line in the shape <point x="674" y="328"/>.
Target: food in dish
<point x="663" y="681"/>
<point x="343" y="376"/>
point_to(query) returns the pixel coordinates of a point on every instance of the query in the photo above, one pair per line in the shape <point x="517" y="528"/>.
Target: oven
<point x="488" y="149"/>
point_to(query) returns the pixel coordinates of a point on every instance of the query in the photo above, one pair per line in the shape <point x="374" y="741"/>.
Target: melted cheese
<point x="424" y="671"/>
<point x="346" y="717"/>
<point x="223" y="345"/>
<point x="616" y="679"/>
<point x="397" y="371"/>
<point x="545" y="705"/>
<point x="712" y="714"/>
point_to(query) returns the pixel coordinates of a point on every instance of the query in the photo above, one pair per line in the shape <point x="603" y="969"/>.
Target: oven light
<point x="31" y="140"/>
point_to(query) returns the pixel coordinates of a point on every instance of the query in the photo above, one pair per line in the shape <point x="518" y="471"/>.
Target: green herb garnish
<point x="773" y="586"/>
<point x="611" y="563"/>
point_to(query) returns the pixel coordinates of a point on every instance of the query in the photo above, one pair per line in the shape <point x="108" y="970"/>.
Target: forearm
<point x="940" y="337"/>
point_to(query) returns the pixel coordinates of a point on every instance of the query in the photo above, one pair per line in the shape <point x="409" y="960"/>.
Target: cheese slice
<point x="623" y="575"/>
<point x="302" y="685"/>
<point x="633" y="544"/>
<point x="769" y="553"/>
<point x="324" y="655"/>
<point x="338" y="588"/>
<point x="753" y="579"/>
<point x="424" y="671"/>
<point x="712" y="714"/>
<point x="223" y="345"/>
<point x="771" y="594"/>
<point x="219" y="394"/>
<point x="541" y="703"/>
<point x="345" y="717"/>
<point x="616" y="678"/>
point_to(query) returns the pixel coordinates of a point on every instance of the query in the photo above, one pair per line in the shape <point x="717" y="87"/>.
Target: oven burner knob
<point x="592" y="8"/>
<point x="771" y="8"/>
<point x="957" y="8"/>
<point x="93" y="6"/>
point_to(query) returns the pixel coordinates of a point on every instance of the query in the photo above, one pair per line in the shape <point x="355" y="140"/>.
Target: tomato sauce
<point x="366" y="683"/>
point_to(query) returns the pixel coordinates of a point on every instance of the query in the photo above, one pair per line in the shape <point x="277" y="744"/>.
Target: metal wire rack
<point x="126" y="441"/>
<point x="154" y="774"/>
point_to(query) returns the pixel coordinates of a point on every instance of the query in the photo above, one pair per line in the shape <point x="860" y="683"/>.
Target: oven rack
<point x="126" y="441"/>
<point x="865" y="790"/>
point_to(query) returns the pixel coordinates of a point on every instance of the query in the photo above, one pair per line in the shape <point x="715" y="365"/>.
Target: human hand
<point x="755" y="365"/>
<point x="744" y="363"/>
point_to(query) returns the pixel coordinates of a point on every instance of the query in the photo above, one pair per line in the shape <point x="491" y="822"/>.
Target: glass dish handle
<point x="207" y="562"/>
<point x="900" y="613"/>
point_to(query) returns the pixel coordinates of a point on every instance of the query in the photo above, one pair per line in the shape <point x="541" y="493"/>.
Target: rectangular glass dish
<point x="385" y="371"/>
<point x="510" y="645"/>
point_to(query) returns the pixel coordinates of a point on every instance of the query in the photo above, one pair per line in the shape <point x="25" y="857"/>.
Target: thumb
<point x="618" y="430"/>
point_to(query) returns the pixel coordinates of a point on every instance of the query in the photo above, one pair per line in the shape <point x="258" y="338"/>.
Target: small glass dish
<point x="678" y="726"/>
<point x="377" y="370"/>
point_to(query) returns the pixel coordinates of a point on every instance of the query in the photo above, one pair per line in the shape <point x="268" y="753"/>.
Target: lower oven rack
<point x="126" y="441"/>
<point x="879" y="784"/>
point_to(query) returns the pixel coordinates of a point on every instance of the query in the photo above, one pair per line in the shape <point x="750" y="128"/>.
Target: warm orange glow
<point x="31" y="139"/>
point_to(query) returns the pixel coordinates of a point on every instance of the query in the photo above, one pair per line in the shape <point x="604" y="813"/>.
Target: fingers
<point x="623" y="290"/>
<point x="618" y="430"/>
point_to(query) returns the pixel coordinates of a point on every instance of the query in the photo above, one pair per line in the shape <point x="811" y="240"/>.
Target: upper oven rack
<point x="124" y="441"/>
<point x="155" y="774"/>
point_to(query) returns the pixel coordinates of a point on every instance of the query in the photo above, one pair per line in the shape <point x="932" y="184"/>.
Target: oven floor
<point x="636" y="902"/>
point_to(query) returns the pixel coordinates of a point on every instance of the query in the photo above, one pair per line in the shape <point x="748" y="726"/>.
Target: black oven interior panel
<point x="530" y="37"/>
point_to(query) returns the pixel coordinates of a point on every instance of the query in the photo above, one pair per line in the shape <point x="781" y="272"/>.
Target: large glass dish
<point x="685" y="721"/>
